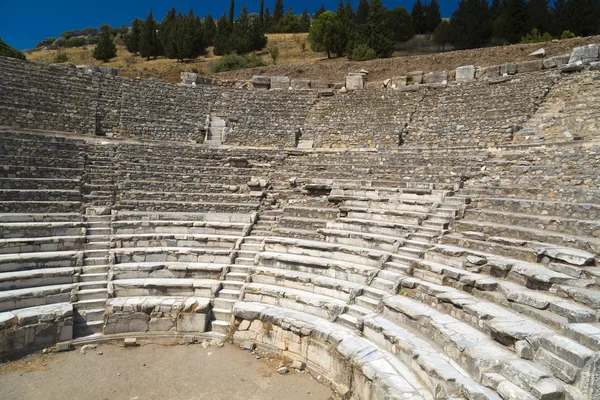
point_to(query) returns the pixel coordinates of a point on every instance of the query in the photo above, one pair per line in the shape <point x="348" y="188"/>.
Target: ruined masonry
<point x="432" y="243"/>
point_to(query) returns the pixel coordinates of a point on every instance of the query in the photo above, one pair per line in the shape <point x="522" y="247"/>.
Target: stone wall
<point x="263" y="118"/>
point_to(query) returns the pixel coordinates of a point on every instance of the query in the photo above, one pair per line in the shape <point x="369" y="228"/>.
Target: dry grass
<point x="290" y="52"/>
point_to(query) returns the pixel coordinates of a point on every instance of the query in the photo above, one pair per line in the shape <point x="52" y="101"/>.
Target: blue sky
<point x="25" y="23"/>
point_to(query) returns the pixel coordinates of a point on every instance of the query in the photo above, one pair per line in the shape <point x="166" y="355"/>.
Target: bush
<point x="362" y="52"/>
<point x="274" y="53"/>
<point x="61" y="57"/>
<point x="567" y="35"/>
<point x="7" y="51"/>
<point x="536" y="36"/>
<point x="233" y="62"/>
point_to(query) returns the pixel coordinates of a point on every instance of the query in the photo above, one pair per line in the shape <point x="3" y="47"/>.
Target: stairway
<point x="216" y="128"/>
<point x="92" y="288"/>
<point x="267" y="221"/>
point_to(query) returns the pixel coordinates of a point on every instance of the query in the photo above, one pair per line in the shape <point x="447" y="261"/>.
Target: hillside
<point x="295" y="62"/>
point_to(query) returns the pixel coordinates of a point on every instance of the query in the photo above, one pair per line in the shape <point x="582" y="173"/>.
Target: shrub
<point x="567" y="35"/>
<point x="7" y="51"/>
<point x="274" y="53"/>
<point x="233" y="62"/>
<point x="536" y="36"/>
<point x="61" y="57"/>
<point x="362" y="52"/>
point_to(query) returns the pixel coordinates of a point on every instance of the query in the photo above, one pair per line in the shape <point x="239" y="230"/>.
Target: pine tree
<point x="319" y="11"/>
<point x="257" y="33"/>
<point x="582" y="17"/>
<point x="209" y="26"/>
<point x="496" y="9"/>
<point x="149" y="46"/>
<point x="231" y="11"/>
<point x="168" y="35"/>
<point x="261" y="13"/>
<point x="344" y="30"/>
<point x="191" y="43"/>
<point x="132" y="38"/>
<point x="241" y="42"/>
<point x="377" y="33"/>
<point x="513" y="21"/>
<point x="471" y="24"/>
<point x="105" y="49"/>
<point x="442" y="34"/>
<point x="539" y="16"/>
<point x="432" y="16"/>
<point x="362" y="12"/>
<point x="278" y="12"/>
<point x="402" y="24"/>
<point x="418" y="16"/>
<point x="304" y="22"/>
<point x="222" y="37"/>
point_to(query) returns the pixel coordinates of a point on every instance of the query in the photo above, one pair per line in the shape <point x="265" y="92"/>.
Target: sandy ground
<point x="154" y="371"/>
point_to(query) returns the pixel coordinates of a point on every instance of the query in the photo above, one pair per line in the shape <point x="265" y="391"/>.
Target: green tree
<point x="69" y="34"/>
<point x="401" y="23"/>
<point x="344" y="29"/>
<point x="46" y="42"/>
<point x="289" y="23"/>
<point x="210" y="28"/>
<point x="582" y="17"/>
<point x="278" y="12"/>
<point x="321" y="33"/>
<point x="539" y="16"/>
<point x="170" y="33"/>
<point x="257" y="33"/>
<point x="192" y="43"/>
<point x="362" y="52"/>
<point x="362" y="12"/>
<point x="432" y="16"/>
<point x="304" y="21"/>
<point x="442" y="34"/>
<point x="377" y="33"/>
<point x="105" y="49"/>
<point x="268" y="21"/>
<point x="240" y="40"/>
<point x="418" y="17"/>
<point x="149" y="45"/>
<point x="319" y="11"/>
<point x="222" y="40"/>
<point x="471" y="24"/>
<point x="231" y="11"/>
<point x="89" y="31"/>
<point x="132" y="38"/>
<point x="261" y="13"/>
<point x="11" y="52"/>
<point x="513" y="22"/>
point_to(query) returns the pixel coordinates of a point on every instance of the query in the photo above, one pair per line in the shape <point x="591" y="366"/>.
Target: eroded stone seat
<point x="164" y="287"/>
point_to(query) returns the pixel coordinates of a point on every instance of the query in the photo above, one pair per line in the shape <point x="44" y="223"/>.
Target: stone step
<point x="93" y="277"/>
<point x="222" y="314"/>
<point x="229" y="294"/>
<point x="358" y="311"/>
<point x="92" y="294"/>
<point x="261" y="233"/>
<point x="94" y="269"/>
<point x="383" y="284"/>
<point x="220" y="326"/>
<point x="236" y="276"/>
<point x="244" y="261"/>
<point x="98" y="231"/>
<point x="233" y="285"/>
<point x="246" y="254"/>
<point x="89" y="261"/>
<point x="374" y="293"/>
<point x="253" y="240"/>
<point x="89" y="304"/>
<point x="349" y="321"/>
<point x="245" y="269"/>
<point x="92" y="314"/>
<point x="98" y="246"/>
<point x="89" y="285"/>
<point x="95" y="253"/>
<point x="250" y="246"/>
<point x="88" y="328"/>
<point x="367" y="302"/>
<point x="396" y="267"/>
<point x="224" y="303"/>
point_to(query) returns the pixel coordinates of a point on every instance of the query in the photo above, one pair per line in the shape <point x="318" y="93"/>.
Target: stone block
<point x="280" y="82"/>
<point x="355" y="82"/>
<point x="63" y="346"/>
<point x="414" y="78"/>
<point x="595" y="66"/>
<point x="487" y="72"/>
<point x="540" y="53"/>
<point x="529" y="66"/>
<point x="192" y="323"/>
<point x="261" y="82"/>
<point x="300" y="84"/>
<point x="508" y="68"/>
<point x="319" y="85"/>
<point x="435" y="77"/>
<point x="188" y="78"/>
<point x="585" y="54"/>
<point x="556" y="61"/>
<point x="161" y="324"/>
<point x="589" y="383"/>
<point x="130" y="342"/>
<point x="374" y="85"/>
<point x="465" y="73"/>
<point x="399" y="81"/>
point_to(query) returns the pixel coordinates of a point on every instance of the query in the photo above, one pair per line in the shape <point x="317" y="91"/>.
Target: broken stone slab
<point x="130" y="342"/>
<point x="589" y="382"/>
<point x="435" y="77"/>
<point x="280" y="82"/>
<point x="541" y="53"/>
<point x="508" y="68"/>
<point x="399" y="81"/>
<point x="567" y="254"/>
<point x="300" y="84"/>
<point x="567" y="349"/>
<point x="556" y="61"/>
<point x="299" y="365"/>
<point x="529" y="66"/>
<point x="465" y="73"/>
<point x="355" y="82"/>
<point x="595" y="66"/>
<point x="414" y="78"/>
<point x="326" y="93"/>
<point x="500" y="79"/>
<point x="244" y="326"/>
<point x="573" y="67"/>
<point x="410" y="88"/>
<point x="585" y="54"/>
<point x="374" y="85"/>
<point x="487" y="72"/>
<point x="261" y="82"/>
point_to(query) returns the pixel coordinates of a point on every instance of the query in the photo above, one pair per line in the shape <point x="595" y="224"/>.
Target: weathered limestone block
<point x="540" y="53"/>
<point x="319" y="85"/>
<point x="188" y="78"/>
<point x="508" y="68"/>
<point x="590" y="379"/>
<point x="374" y="85"/>
<point x="465" y="73"/>
<point x="585" y="54"/>
<point x="556" y="61"/>
<point x="192" y="323"/>
<point x="529" y="66"/>
<point x="261" y="82"/>
<point x="414" y="78"/>
<point x="300" y="84"/>
<point x="488" y="72"/>
<point x="566" y="254"/>
<point x="435" y="77"/>
<point x="355" y="82"/>
<point x="280" y="82"/>
<point x="399" y="81"/>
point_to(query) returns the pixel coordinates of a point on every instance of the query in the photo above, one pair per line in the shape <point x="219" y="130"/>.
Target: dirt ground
<point x="154" y="371"/>
<point x="335" y="70"/>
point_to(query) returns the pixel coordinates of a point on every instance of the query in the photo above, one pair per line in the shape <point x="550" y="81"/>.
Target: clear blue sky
<point x="25" y="23"/>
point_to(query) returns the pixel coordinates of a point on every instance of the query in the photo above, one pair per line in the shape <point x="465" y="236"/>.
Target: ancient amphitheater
<point x="436" y="241"/>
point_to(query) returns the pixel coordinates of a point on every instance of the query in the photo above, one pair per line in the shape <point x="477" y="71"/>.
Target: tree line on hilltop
<point x="369" y="31"/>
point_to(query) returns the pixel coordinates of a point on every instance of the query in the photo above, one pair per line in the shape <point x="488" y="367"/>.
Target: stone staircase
<point x="216" y="127"/>
<point x="92" y="288"/>
<point x="267" y="222"/>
